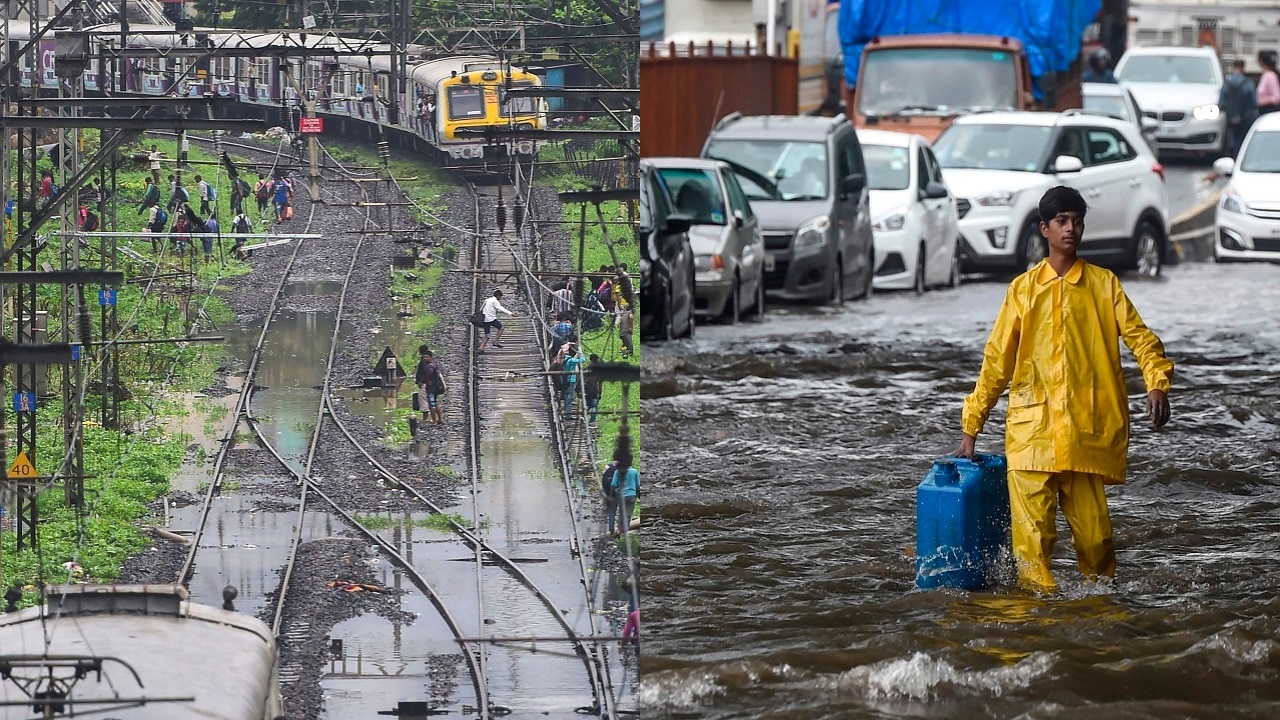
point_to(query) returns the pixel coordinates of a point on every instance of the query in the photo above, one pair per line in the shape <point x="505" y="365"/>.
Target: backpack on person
<point x="593" y="314"/>
<point x="242" y="188"/>
<point x="240" y="225"/>
<point x="606" y="479"/>
<point x="604" y="294"/>
<point x="478" y="319"/>
<point x="90" y="223"/>
<point x="264" y="190"/>
<point x="162" y="218"/>
<point x="213" y="192"/>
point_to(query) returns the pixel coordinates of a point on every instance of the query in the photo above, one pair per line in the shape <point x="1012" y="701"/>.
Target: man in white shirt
<point x="562" y="300"/>
<point x="493" y="306"/>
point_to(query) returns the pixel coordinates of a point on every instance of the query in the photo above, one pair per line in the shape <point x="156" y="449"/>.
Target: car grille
<point x="1174" y="116"/>
<point x="1266" y="244"/>
<point x="963" y="206"/>
<point x="1265" y="212"/>
<point x="1150" y="114"/>
<point x="777" y="241"/>
<point x="776" y="279"/>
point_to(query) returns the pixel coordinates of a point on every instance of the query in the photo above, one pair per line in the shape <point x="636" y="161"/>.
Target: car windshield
<point x="1262" y="154"/>
<point x="798" y="169"/>
<point x="993" y="147"/>
<point x="936" y="79"/>
<point x="1168" y="69"/>
<point x="697" y="194"/>
<point x="1107" y="105"/>
<point x="888" y="167"/>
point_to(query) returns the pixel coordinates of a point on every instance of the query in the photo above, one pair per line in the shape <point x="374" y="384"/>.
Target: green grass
<point x="377" y="523"/>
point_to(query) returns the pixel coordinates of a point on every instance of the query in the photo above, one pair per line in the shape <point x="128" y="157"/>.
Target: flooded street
<point x="781" y="462"/>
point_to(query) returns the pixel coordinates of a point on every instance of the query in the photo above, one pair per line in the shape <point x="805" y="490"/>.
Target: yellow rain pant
<point x="1033" y="500"/>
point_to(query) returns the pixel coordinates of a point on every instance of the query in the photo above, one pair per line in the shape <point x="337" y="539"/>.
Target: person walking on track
<point x="493" y="306"/>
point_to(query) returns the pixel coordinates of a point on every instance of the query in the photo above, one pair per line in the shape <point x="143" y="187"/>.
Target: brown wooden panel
<point x="683" y="95"/>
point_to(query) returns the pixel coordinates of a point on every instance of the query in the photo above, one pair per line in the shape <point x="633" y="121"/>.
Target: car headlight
<point x="705" y="263"/>
<point x="891" y="222"/>
<point x="1206" y="112"/>
<point x="812" y="233"/>
<point x="1232" y="203"/>
<point x="999" y="199"/>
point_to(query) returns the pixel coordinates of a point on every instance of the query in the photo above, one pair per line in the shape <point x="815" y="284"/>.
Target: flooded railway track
<point x="521" y="631"/>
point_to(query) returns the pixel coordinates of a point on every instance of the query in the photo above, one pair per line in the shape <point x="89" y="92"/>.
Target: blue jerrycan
<point x="962" y="523"/>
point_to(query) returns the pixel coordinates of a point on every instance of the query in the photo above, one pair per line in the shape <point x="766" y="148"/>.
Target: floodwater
<point x="781" y="465"/>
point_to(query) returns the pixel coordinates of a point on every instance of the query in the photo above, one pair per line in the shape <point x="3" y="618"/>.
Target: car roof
<point x="777" y="127"/>
<point x="887" y="137"/>
<point x="1269" y="122"/>
<point x="686" y="162"/>
<point x="1172" y="50"/>
<point x="1039" y="119"/>
<point x="1108" y="89"/>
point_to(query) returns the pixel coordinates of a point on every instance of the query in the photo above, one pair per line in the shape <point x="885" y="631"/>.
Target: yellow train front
<point x="471" y="93"/>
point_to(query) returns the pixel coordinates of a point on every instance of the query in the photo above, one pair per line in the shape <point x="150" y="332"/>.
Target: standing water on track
<point x="785" y="456"/>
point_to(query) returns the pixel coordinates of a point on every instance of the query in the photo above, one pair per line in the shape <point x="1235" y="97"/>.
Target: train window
<point x="465" y="102"/>
<point x="518" y="105"/>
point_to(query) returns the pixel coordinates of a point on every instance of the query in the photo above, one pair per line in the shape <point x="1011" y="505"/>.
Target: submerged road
<point x="782" y="460"/>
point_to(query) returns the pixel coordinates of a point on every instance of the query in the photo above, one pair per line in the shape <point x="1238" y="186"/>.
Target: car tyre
<point x="733" y="313"/>
<point x="1148" y="254"/>
<point x="837" y="284"/>
<point x="757" y="307"/>
<point x="919" y="286"/>
<point x="1032" y="246"/>
<point x="953" y="278"/>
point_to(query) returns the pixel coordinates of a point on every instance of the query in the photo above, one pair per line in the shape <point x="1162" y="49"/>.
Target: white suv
<point x="999" y="164"/>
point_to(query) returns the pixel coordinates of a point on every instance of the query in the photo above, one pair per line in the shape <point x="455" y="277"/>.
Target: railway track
<point x="509" y="608"/>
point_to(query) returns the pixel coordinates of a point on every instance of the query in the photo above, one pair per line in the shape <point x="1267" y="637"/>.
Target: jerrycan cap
<point x="945" y="472"/>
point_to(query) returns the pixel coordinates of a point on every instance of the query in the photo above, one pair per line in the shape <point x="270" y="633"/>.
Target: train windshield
<point x="517" y="105"/>
<point x="466" y="101"/>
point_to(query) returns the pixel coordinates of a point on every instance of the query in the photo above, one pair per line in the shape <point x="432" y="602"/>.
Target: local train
<point x="136" y="652"/>
<point x="441" y="97"/>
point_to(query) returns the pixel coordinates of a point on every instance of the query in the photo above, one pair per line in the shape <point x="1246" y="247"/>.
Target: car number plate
<point x="769" y="263"/>
<point x="1275" y="232"/>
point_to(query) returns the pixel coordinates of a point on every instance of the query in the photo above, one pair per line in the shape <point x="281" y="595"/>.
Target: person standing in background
<point x="1268" y="83"/>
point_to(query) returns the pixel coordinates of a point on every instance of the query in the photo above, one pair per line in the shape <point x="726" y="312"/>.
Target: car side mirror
<point x="1150" y="124"/>
<point x="935" y="191"/>
<point x="852" y="184"/>
<point x="1224" y="166"/>
<point x="738" y="219"/>
<point x="676" y="224"/>
<point x="1067" y="164"/>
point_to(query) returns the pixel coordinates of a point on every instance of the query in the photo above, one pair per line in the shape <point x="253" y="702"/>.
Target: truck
<point x="916" y="65"/>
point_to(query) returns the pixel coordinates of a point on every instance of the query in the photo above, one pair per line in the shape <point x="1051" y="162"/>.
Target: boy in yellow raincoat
<point x="1055" y="343"/>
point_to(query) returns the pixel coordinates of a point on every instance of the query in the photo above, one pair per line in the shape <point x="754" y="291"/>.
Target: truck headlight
<point x="1206" y="112"/>
<point x="890" y="222"/>
<point x="998" y="199"/>
<point x="812" y="233"/>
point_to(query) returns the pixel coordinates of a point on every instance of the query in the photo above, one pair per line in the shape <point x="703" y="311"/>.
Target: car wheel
<point x="837" y="284"/>
<point x="919" y="285"/>
<point x="1147" y="257"/>
<point x="869" y="288"/>
<point x="953" y="278"/>
<point x="734" y="312"/>
<point x="757" y="307"/>
<point x="1032" y="247"/>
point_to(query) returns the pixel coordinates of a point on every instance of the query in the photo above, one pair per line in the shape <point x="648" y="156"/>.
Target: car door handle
<point x="1093" y="192"/>
<point x="1134" y="182"/>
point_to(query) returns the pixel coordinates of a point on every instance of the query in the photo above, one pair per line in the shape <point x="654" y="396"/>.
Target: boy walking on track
<point x="493" y="306"/>
<point x="1055" y="343"/>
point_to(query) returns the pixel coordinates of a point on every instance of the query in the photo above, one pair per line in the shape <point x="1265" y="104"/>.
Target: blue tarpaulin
<point x="1049" y="29"/>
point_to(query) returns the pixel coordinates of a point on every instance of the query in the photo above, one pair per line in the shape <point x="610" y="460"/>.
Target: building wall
<point x="709" y="18"/>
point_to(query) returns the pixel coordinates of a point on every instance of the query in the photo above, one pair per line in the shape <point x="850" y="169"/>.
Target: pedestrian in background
<point x="562" y="300"/>
<point x="626" y="326"/>
<point x="1239" y="102"/>
<point x="150" y="196"/>
<point x="241" y="225"/>
<point x="208" y="238"/>
<point x="202" y="189"/>
<point x="592" y="389"/>
<point x="489" y="312"/>
<point x="430" y="381"/>
<point x="1268" y="83"/>
<point x="262" y="193"/>
<point x="153" y="158"/>
<point x="1056" y="345"/>
<point x="1099" y="70"/>
<point x="609" y="496"/>
<point x="626" y="488"/>
<point x="572" y="363"/>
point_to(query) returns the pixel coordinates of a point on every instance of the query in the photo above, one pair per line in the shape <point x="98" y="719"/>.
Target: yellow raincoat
<point x="1056" y="342"/>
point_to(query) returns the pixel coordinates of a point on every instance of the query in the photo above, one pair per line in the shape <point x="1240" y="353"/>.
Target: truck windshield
<point x="1168" y="69"/>
<point x="798" y="169"/>
<point x="931" y="79"/>
<point x="888" y="167"/>
<point x="993" y="147"/>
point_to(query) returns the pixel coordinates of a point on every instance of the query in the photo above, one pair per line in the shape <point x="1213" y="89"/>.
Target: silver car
<point x="1114" y="100"/>
<point x="727" y="245"/>
<point x="1178" y="86"/>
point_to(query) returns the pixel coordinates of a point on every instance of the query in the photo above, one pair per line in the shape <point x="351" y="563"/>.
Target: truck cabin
<point x="920" y="83"/>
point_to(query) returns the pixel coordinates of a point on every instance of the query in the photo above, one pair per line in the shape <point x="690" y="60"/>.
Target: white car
<point x="913" y="214"/>
<point x="1247" y="223"/>
<point x="1178" y="86"/>
<point x="1001" y="163"/>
